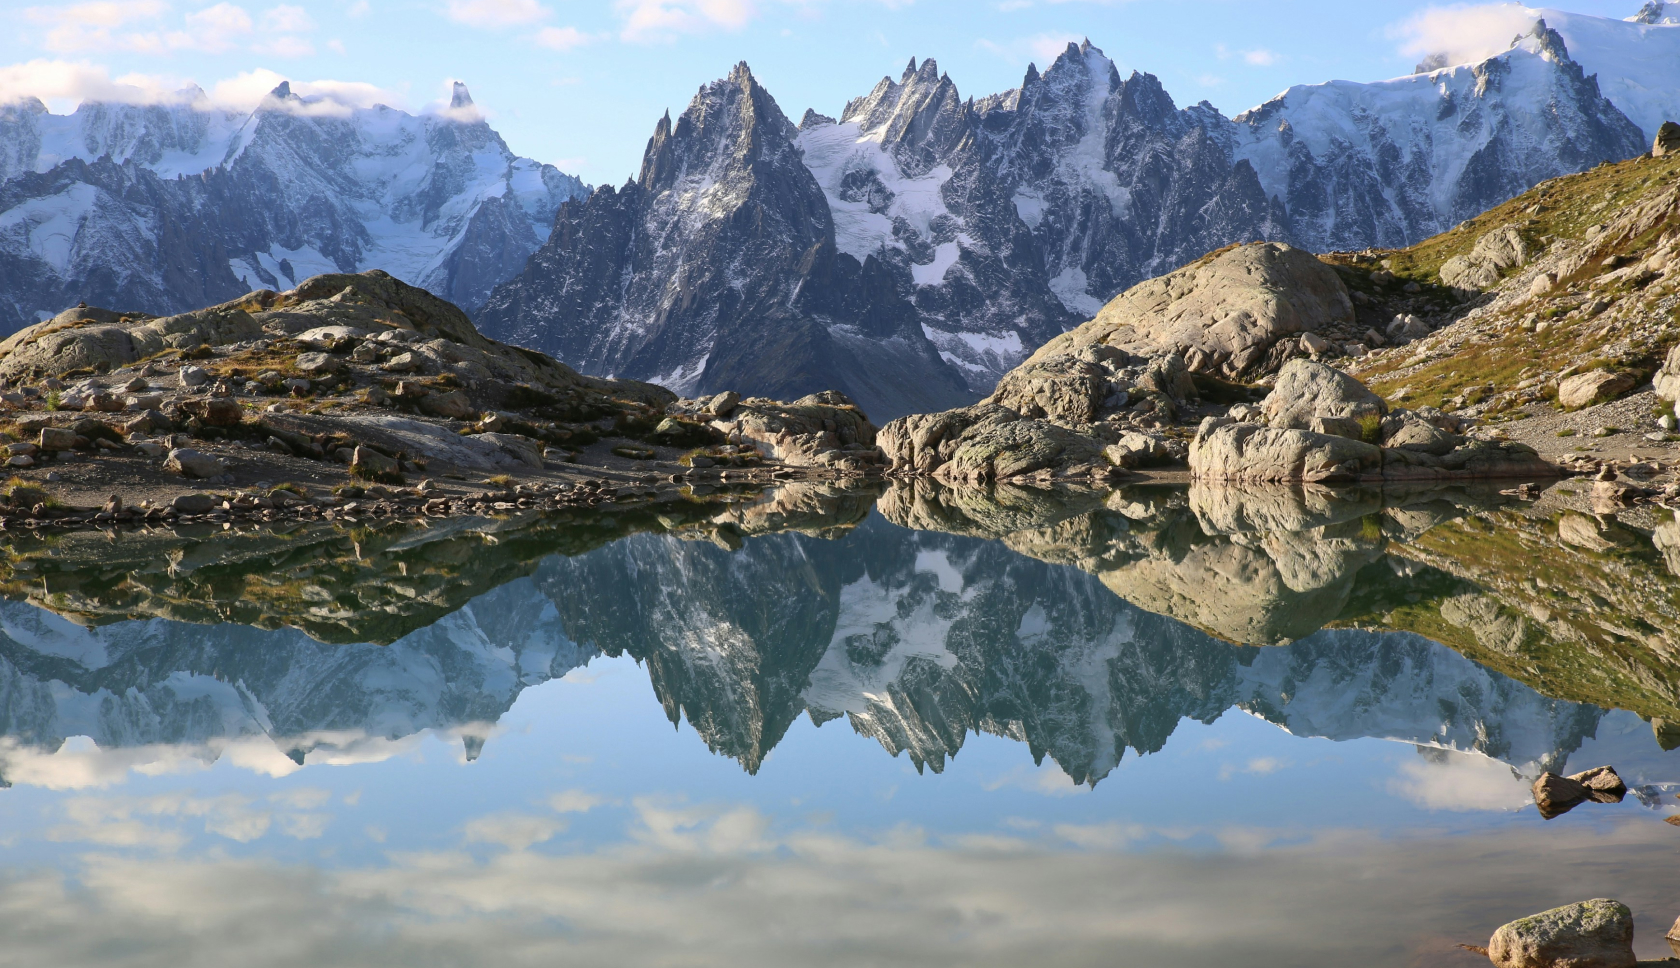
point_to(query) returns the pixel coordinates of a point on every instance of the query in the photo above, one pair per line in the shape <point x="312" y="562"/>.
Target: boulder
<point x="1667" y="380"/>
<point x="1556" y="795"/>
<point x="215" y="411"/>
<point x="57" y="438"/>
<point x="1222" y="314"/>
<point x="1057" y="387"/>
<point x="1421" y="436"/>
<point x="1594" y="386"/>
<point x="1305" y="390"/>
<point x="193" y="376"/>
<point x="192" y="463"/>
<point x="1667" y="141"/>
<point x="1501" y="249"/>
<point x="1241" y="452"/>
<point x="1001" y="451"/>
<point x="1602" y="783"/>
<point x="1588" y="934"/>
<point x="194" y="504"/>
<point x="723" y="404"/>
<point x="316" y="364"/>
<point x="1138" y="450"/>
<point x="366" y="460"/>
<point x="453" y="405"/>
<point x="522" y="449"/>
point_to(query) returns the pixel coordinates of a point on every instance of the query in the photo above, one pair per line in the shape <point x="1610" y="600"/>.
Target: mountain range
<point x="167" y="207"/>
<point x="908" y="251"/>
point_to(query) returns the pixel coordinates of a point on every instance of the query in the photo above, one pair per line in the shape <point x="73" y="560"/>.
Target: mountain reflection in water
<point x="167" y="697"/>
<point x="915" y="625"/>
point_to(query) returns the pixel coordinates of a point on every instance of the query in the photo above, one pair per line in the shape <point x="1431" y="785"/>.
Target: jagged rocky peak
<point x="1657" y="12"/>
<point x="732" y="128"/>
<point x="459" y="98"/>
<point x="922" y="117"/>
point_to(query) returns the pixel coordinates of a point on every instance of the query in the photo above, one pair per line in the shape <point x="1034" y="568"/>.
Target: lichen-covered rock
<point x="1588" y="934"/>
<point x="1221" y="314"/>
<point x="1305" y="390"/>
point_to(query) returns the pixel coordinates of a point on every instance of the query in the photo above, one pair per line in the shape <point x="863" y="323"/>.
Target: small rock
<point x="365" y="353"/>
<point x="57" y="438"/>
<point x="401" y="363"/>
<point x="1589" y="934"/>
<point x="1556" y="795"/>
<point x="1314" y="344"/>
<point x="136" y="385"/>
<point x="21" y="460"/>
<point x="22" y="447"/>
<point x="151" y="448"/>
<point x="193" y="376"/>
<point x="723" y="404"/>
<point x="193" y="504"/>
<point x="316" y="364"/>
<point x="296" y="387"/>
<point x="144" y="401"/>
<point x="193" y="463"/>
<point x="454" y="405"/>
<point x="371" y="461"/>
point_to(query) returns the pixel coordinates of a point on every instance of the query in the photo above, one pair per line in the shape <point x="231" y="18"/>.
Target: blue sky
<point x="580" y="83"/>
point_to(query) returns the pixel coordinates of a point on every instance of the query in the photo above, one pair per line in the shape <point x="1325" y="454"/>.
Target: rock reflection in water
<point x="788" y="607"/>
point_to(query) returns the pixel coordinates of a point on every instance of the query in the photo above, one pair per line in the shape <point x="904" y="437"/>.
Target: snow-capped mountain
<point x="169" y="207"/>
<point x="984" y="227"/>
<point x="717" y="268"/>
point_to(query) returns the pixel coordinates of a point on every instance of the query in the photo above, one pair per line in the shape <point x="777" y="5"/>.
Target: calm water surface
<point x="1145" y="728"/>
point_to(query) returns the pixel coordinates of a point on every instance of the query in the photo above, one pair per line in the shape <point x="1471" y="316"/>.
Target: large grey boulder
<point x="1306" y="390"/>
<point x="1588" y="934"/>
<point x="194" y="463"/>
<point x="1222" y="314"/>
<point x="1594" y="386"/>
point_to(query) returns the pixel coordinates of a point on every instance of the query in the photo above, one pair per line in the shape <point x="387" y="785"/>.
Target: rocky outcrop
<point x="1352" y="437"/>
<point x="820" y="430"/>
<point x="1667" y="141"/>
<point x="1588" y="934"/>
<point x="1499" y="250"/>
<point x="1223" y="314"/>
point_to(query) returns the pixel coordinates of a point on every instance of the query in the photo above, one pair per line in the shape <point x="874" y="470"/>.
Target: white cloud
<point x="143" y="26"/>
<point x="89" y="26"/>
<point x="495" y="14"/>
<point x="358" y="10"/>
<point x="515" y="831"/>
<point x="574" y="801"/>
<point x="287" y="19"/>
<point x="213" y="30"/>
<point x="1041" y="49"/>
<point x="1260" y="57"/>
<point x="1258" y="766"/>
<point x="652" y="21"/>
<point x="562" y="38"/>
<point x="1464" y="34"/>
<point x="1461" y="782"/>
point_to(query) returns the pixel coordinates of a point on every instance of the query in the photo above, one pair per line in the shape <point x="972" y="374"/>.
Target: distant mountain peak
<point x="1657" y="12"/>
<point x="459" y="98"/>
